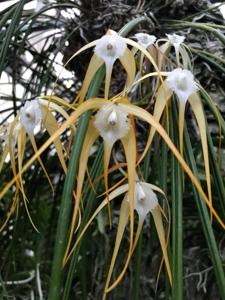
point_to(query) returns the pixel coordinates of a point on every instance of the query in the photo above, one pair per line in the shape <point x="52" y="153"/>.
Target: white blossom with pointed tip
<point x="176" y="40"/>
<point x="110" y="47"/>
<point x="182" y="83"/>
<point x="145" y="200"/>
<point x="30" y="116"/>
<point x="145" y="39"/>
<point x="112" y="123"/>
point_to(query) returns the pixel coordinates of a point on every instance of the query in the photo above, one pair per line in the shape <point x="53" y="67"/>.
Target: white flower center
<point x="174" y="40"/>
<point x="112" y="123"/>
<point x="182" y="82"/>
<point x="145" y="199"/>
<point x="141" y="197"/>
<point x="110" y="47"/>
<point x="144" y="39"/>
<point x="30" y="114"/>
<point x="112" y="120"/>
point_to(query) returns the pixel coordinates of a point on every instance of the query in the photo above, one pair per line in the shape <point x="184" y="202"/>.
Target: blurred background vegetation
<point x="35" y="42"/>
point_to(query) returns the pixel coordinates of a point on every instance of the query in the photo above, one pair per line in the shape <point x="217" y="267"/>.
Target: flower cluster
<point x="113" y="120"/>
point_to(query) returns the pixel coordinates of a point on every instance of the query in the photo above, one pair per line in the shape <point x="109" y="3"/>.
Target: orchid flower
<point x="110" y="47"/>
<point x="145" y="201"/>
<point x="177" y="42"/>
<point x="181" y="82"/>
<point x="145" y="40"/>
<point x="31" y="115"/>
<point x="107" y="50"/>
<point x="112" y="123"/>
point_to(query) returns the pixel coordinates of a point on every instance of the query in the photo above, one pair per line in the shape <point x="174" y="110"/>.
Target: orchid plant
<point x="26" y="125"/>
<point x="113" y="119"/>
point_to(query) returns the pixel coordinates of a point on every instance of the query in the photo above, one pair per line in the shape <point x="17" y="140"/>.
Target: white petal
<point x="145" y="39"/>
<point x="182" y="83"/>
<point x="145" y="199"/>
<point x="30" y="116"/>
<point x="113" y="119"/>
<point x="110" y="47"/>
<point x="175" y="40"/>
<point x="112" y="123"/>
<point x="39" y="5"/>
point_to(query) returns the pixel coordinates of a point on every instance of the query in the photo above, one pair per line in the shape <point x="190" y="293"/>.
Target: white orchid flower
<point x="145" y="39"/>
<point x="110" y="47"/>
<point x="112" y="123"/>
<point x="107" y="50"/>
<point x="30" y="116"/>
<point x="176" y="40"/>
<point x="182" y="83"/>
<point x="145" y="199"/>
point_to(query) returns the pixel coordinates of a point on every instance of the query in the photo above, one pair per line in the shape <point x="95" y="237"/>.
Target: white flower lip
<point x="110" y="47"/>
<point x="112" y="123"/>
<point x="30" y="116"/>
<point x="145" y="39"/>
<point x="113" y="119"/>
<point x="176" y="40"/>
<point x="182" y="83"/>
<point x="145" y="199"/>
